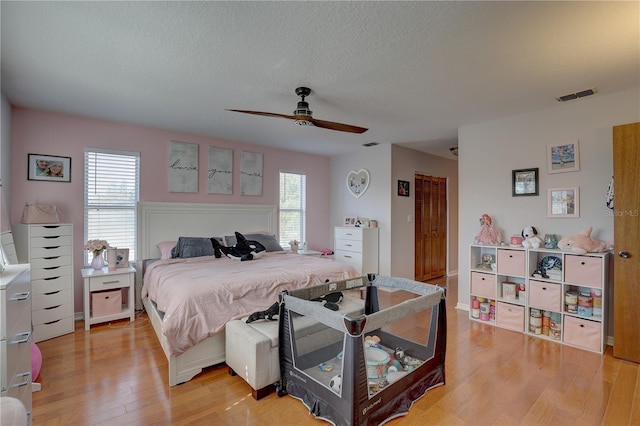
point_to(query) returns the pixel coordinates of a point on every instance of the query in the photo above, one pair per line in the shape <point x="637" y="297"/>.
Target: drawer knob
<point x="582" y="263"/>
<point x="21" y="296"/>
<point x="111" y="282"/>
<point x="25" y="337"/>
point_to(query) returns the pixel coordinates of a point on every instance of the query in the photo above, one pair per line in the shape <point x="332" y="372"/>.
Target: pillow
<point x="192" y="247"/>
<point x="165" y="248"/>
<point x="269" y="241"/>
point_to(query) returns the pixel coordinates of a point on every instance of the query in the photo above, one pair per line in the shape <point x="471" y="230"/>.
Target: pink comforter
<point x="200" y="295"/>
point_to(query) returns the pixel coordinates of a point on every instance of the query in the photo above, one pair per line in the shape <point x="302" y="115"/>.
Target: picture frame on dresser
<point x="122" y="257"/>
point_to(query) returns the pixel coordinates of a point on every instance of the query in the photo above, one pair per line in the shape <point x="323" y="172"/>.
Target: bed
<point x="158" y="222"/>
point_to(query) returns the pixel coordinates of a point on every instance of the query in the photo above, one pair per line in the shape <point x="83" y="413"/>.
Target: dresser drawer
<point x="49" y="230"/>
<point x="483" y="285"/>
<point x="51" y="314"/>
<point x="583" y="270"/>
<point x="53" y="251"/>
<point x="511" y="262"/>
<point x="510" y="316"/>
<point x="110" y="282"/>
<point x="58" y="241"/>
<point x="349" y="245"/>
<point x="18" y="302"/>
<point x="51" y="299"/>
<point x="50" y="262"/>
<point x="545" y="295"/>
<point x="53" y="272"/>
<point x="20" y="378"/>
<point x="18" y="347"/>
<point x="354" y="234"/>
<point x="53" y="329"/>
<point x="352" y="258"/>
<point x="583" y="333"/>
<point x="48" y="285"/>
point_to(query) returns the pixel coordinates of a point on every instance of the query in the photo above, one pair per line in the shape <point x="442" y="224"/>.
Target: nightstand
<point x="98" y="283"/>
<point x="312" y="253"/>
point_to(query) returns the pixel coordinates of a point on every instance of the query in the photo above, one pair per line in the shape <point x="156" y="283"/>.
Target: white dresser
<point x="15" y="334"/>
<point x="357" y="247"/>
<point x="48" y="248"/>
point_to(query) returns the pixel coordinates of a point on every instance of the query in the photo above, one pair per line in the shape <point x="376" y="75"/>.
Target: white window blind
<point x="111" y="187"/>
<point x="293" y="207"/>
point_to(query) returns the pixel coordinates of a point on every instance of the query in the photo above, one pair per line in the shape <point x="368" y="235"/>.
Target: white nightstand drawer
<point x="53" y="272"/>
<point x="348" y="234"/>
<point x="110" y="282"/>
<point x="49" y="230"/>
<point x="349" y="245"/>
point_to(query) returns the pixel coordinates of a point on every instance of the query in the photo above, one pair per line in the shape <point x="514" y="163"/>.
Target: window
<point x="111" y="181"/>
<point x="293" y="207"/>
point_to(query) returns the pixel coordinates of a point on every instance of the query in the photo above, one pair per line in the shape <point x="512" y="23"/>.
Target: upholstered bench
<point x="252" y="349"/>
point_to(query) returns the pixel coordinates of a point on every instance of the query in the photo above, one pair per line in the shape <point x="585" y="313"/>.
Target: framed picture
<point x="563" y="157"/>
<point x="564" y="202"/>
<point x="122" y="258"/>
<point x="403" y="188"/>
<point x="525" y="182"/>
<point x="349" y="221"/>
<point x="49" y="167"/>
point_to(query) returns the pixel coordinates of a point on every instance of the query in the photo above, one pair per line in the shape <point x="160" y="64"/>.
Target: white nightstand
<point x="312" y="253"/>
<point x="96" y="281"/>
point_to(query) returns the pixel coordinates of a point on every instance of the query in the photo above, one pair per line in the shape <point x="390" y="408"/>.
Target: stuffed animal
<point x="530" y="238"/>
<point x="331" y="300"/>
<point x="269" y="314"/>
<point x="243" y="250"/>
<point x="582" y="243"/>
<point x="489" y="234"/>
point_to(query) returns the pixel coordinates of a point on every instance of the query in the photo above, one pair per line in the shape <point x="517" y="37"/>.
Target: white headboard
<point x="167" y="221"/>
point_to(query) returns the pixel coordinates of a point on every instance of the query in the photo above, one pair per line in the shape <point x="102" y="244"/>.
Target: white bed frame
<point x="158" y="222"/>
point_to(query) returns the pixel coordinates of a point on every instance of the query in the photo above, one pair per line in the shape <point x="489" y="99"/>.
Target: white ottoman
<point x="252" y="349"/>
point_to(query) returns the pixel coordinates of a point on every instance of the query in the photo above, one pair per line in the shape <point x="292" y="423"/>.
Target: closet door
<point x="626" y="178"/>
<point x="430" y="227"/>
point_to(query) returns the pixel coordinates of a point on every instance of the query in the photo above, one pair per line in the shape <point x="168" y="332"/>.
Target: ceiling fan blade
<point x="337" y="126"/>
<point x="266" y="114"/>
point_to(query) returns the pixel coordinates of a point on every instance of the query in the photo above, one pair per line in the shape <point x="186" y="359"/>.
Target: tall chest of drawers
<point x="48" y="248"/>
<point x="15" y="334"/>
<point x="357" y="247"/>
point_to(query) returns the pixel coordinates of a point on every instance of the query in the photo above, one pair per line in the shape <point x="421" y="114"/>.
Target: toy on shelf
<point x="531" y="238"/>
<point x="582" y="243"/>
<point x="489" y="234"/>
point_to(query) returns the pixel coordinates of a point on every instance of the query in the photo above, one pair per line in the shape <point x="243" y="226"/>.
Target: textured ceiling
<point x="411" y="72"/>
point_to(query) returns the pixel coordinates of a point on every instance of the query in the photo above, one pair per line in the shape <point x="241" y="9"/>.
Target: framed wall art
<point x="563" y="157"/>
<point x="183" y="167"/>
<point x="524" y="182"/>
<point x="220" y="171"/>
<point x="250" y="173"/>
<point x="564" y="202"/>
<point x="122" y="258"/>
<point x="49" y="168"/>
<point x="403" y="188"/>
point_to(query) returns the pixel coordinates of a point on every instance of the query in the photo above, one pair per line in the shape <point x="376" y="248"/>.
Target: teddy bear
<point x="530" y="238"/>
<point x="583" y="243"/>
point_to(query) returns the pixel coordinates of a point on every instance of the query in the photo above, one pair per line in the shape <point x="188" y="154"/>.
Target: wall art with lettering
<point x="220" y="171"/>
<point x="250" y="173"/>
<point x="183" y="167"/>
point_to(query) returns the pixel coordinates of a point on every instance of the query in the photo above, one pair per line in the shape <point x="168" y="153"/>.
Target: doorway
<point x="430" y="227"/>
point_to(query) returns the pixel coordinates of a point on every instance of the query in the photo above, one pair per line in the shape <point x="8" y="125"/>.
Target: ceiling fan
<point x="302" y="116"/>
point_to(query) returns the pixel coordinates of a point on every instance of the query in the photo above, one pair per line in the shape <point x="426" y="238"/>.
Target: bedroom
<point x="517" y="141"/>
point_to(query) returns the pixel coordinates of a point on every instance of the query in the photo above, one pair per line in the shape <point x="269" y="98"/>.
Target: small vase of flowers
<point x="97" y="247"/>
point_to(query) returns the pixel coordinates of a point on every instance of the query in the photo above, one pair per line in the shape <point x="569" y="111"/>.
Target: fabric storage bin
<point x="511" y="262"/>
<point x="583" y="333"/>
<point x="510" y="316"/>
<point x="105" y="303"/>
<point x="483" y="285"/>
<point x="583" y="270"/>
<point x="545" y="295"/>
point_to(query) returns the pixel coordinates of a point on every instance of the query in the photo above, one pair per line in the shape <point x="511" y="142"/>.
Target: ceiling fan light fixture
<point x="304" y="123"/>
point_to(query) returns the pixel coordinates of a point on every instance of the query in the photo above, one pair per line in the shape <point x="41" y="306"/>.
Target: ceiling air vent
<point x="576" y="95"/>
<point x="370" y="144"/>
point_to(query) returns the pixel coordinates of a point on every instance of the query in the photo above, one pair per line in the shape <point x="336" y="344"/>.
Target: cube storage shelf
<point x="546" y="293"/>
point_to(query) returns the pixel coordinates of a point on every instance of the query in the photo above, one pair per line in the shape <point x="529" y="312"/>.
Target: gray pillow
<point x="192" y="247"/>
<point x="270" y="242"/>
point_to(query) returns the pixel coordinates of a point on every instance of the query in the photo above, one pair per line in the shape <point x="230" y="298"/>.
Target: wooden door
<point x="430" y="227"/>
<point x="626" y="204"/>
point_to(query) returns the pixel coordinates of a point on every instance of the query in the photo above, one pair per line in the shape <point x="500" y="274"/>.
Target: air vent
<point x="572" y="96"/>
<point x="370" y="144"/>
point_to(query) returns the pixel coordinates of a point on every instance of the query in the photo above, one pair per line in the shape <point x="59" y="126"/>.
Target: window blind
<point x="293" y="207"/>
<point x="111" y="188"/>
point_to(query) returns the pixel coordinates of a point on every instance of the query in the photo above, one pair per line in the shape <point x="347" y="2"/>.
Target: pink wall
<point x="39" y="132"/>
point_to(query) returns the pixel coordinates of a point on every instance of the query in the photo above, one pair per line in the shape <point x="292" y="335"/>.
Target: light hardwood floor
<point x="116" y="374"/>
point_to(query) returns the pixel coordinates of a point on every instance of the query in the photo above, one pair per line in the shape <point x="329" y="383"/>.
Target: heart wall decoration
<point x="358" y="182"/>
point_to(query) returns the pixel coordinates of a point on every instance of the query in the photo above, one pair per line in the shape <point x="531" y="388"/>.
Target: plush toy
<point x="530" y="238"/>
<point x="582" y="243"/>
<point x="270" y="314"/>
<point x="243" y="250"/>
<point x="489" y="234"/>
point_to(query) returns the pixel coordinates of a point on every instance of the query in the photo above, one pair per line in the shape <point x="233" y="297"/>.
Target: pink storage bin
<point x="511" y="262"/>
<point x="483" y="285"/>
<point x="105" y="303"/>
